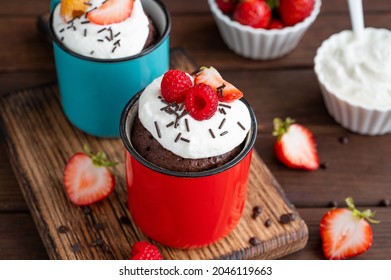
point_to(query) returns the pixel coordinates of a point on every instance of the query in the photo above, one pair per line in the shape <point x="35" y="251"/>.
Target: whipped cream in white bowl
<point x="109" y="41"/>
<point x="224" y="131"/>
<point x="354" y="77"/>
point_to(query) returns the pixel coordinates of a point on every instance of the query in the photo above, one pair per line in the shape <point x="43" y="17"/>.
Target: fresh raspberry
<point x="174" y="85"/>
<point x="201" y="102"/>
<point x="144" y="250"/>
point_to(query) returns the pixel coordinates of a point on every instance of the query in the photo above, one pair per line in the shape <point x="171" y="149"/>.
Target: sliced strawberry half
<point x="226" y="92"/>
<point x="295" y="145"/>
<point x="345" y="232"/>
<point x="112" y="11"/>
<point x="87" y="179"/>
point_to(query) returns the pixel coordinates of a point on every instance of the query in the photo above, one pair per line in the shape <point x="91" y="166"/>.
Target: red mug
<point x="185" y="209"/>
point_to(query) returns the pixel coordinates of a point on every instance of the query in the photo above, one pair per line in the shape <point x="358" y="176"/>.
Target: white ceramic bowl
<point x="259" y="43"/>
<point x="359" y="117"/>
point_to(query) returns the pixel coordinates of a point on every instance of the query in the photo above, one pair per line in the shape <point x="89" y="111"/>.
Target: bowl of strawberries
<point x="263" y="29"/>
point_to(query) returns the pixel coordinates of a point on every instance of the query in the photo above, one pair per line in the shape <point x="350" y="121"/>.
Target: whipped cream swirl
<point x="189" y="138"/>
<point x="110" y="41"/>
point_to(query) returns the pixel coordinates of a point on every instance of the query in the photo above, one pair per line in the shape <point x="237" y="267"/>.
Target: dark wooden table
<point x="284" y="87"/>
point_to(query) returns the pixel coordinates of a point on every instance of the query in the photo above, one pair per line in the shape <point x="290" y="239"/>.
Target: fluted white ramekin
<point x="259" y="43"/>
<point x="358" y="117"/>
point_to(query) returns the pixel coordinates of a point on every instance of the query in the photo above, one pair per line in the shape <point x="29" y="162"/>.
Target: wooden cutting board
<point x="39" y="141"/>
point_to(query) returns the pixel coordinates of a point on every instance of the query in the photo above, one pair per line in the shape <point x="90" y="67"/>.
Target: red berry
<point x="275" y="24"/>
<point x="174" y="85"/>
<point x="112" y="11"/>
<point x="201" y="102"/>
<point x="144" y="250"/>
<point x="226" y="6"/>
<point x="255" y="13"/>
<point x="295" y="11"/>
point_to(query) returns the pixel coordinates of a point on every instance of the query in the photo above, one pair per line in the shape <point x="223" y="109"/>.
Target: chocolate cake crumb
<point x="257" y="210"/>
<point x="268" y="223"/>
<point x="99" y="226"/>
<point x="76" y="247"/>
<point x="385" y="202"/>
<point x="333" y="204"/>
<point x="124" y="220"/>
<point x="254" y="241"/>
<point x="87" y="210"/>
<point x="62" y="229"/>
<point x="286" y="218"/>
<point x="324" y="165"/>
<point x="343" y="139"/>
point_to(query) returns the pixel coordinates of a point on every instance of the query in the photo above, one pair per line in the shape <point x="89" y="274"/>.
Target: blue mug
<point x="94" y="91"/>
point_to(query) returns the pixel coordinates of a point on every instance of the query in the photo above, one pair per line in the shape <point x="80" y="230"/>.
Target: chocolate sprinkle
<point x="111" y="33"/>
<point x="211" y="133"/>
<point x="62" y="229"/>
<point x="103" y="29"/>
<point x="92" y="52"/>
<point x="84" y="22"/>
<point x="62" y="30"/>
<point x="88" y="3"/>
<point x="178" y="136"/>
<point x="85" y="32"/>
<point x="187" y="125"/>
<point x="113" y="50"/>
<point x="62" y="38"/>
<point x="223" y="133"/>
<point x="74" y="28"/>
<point x="100" y="40"/>
<point x="181" y="107"/>
<point x="158" y="130"/>
<point x="225" y="106"/>
<point x="107" y="38"/>
<point x="185" y="140"/>
<point x="170" y="124"/>
<point x="222" y="123"/>
<point x="117" y="34"/>
<point x="117" y="42"/>
<point x="268" y="223"/>
<point x="254" y="241"/>
<point x="222" y="111"/>
<point x="241" y="126"/>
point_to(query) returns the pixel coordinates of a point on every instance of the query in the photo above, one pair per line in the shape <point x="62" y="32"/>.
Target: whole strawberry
<point x="295" y="11"/>
<point x="144" y="250"/>
<point x="295" y="145"/>
<point x="345" y="232"/>
<point x="87" y="178"/>
<point x="226" y="6"/>
<point x="255" y="13"/>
